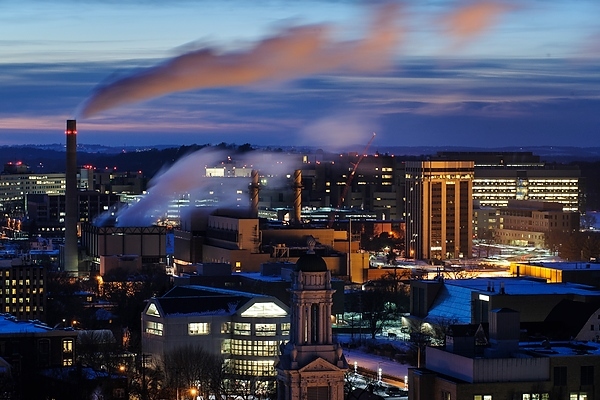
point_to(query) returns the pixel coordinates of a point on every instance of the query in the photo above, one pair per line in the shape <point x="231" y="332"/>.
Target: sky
<point x="322" y="73"/>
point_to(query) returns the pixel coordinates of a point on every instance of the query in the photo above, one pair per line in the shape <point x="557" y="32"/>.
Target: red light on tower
<point x="71" y="127"/>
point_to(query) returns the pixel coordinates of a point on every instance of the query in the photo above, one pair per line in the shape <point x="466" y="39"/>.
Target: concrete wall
<point x="476" y="370"/>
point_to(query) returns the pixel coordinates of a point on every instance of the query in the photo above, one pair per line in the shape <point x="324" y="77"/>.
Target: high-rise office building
<point x="504" y="176"/>
<point x="439" y="209"/>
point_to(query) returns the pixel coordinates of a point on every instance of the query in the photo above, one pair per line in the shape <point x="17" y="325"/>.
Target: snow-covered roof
<point x="521" y="286"/>
<point x="9" y="325"/>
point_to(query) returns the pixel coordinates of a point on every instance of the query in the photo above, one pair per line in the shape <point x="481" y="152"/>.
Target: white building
<point x="246" y="329"/>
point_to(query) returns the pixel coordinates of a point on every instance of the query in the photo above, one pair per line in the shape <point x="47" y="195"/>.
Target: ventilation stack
<point x="71" y="257"/>
<point x="297" y="196"/>
<point x="254" y="188"/>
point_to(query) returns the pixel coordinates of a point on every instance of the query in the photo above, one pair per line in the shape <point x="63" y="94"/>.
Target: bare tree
<point x="193" y="367"/>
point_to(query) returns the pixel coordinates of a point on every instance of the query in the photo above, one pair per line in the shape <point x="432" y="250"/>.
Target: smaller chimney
<point x="297" y="196"/>
<point x="254" y="189"/>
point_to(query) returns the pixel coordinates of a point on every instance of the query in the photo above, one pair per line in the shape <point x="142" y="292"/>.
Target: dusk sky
<point x="320" y="73"/>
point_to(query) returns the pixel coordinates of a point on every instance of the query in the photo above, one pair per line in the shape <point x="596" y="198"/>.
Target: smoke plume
<point x="187" y="177"/>
<point x="296" y="52"/>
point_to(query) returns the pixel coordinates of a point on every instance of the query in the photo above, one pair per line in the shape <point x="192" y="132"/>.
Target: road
<point x="392" y="371"/>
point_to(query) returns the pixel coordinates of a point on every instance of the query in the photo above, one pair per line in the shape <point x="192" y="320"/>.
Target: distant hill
<point x="51" y="158"/>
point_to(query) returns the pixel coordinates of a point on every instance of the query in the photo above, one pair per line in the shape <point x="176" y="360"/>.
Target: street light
<point x="355" y="367"/>
<point x="379" y="373"/>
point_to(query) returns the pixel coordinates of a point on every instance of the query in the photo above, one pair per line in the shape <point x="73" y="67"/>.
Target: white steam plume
<point x="187" y="176"/>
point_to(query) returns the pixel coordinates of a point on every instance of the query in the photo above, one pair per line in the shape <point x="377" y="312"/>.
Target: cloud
<point x="470" y="20"/>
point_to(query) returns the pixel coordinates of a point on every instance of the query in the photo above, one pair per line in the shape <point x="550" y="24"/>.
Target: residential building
<point x="29" y="347"/>
<point x="22" y="289"/>
<point x="439" y="209"/>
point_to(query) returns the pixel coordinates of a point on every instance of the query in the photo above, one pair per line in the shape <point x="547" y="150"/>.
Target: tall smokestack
<point x="254" y="188"/>
<point x="71" y="257"/>
<point x="297" y="195"/>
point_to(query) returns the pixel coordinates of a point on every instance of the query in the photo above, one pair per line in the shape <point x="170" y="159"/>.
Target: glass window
<point x="154" y="328"/>
<point x="560" y="376"/>
<point x="67" y="345"/>
<point x="226" y="327"/>
<point x="587" y="375"/>
<point x="152" y="310"/>
<point x="241" y="328"/>
<point x="266" y="329"/>
<point x="285" y="328"/>
<point x="267" y="309"/>
<point x="198" y="328"/>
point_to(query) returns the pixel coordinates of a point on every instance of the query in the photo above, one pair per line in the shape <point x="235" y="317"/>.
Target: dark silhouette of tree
<point x="191" y="366"/>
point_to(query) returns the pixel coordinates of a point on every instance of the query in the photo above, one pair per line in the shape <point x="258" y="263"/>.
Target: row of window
<point x="252" y="367"/>
<point x="239" y="328"/>
<point x="257" y="348"/>
<point x="21" y="309"/>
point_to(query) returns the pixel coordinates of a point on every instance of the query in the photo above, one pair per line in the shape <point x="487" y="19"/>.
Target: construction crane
<point x="349" y="181"/>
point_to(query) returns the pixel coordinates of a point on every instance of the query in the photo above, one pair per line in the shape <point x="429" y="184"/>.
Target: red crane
<point x="349" y="181"/>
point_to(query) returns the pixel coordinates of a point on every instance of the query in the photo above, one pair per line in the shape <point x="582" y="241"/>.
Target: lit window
<point x="152" y="310"/>
<point x="266" y="329"/>
<point x="268" y="309"/>
<point x="241" y="328"/>
<point x="226" y="327"/>
<point x="154" y="328"/>
<point x="198" y="328"/>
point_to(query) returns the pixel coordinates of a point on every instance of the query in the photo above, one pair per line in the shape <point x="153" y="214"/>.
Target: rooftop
<point x="557" y="349"/>
<point x="568" y="266"/>
<point x="9" y="325"/>
<point x="521" y="286"/>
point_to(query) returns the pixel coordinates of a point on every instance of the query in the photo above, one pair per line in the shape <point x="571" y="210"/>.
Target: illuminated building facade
<point x="504" y="176"/>
<point x="150" y="243"/>
<point x="246" y="329"/>
<point x="439" y="209"/>
<point x="22" y="288"/>
<point x="48" y="212"/>
<point x="14" y="188"/>
<point x="532" y="223"/>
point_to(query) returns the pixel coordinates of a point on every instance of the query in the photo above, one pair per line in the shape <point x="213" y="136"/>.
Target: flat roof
<point x="522" y="286"/>
<point x="9" y="325"/>
<point x="557" y="349"/>
<point x="566" y="266"/>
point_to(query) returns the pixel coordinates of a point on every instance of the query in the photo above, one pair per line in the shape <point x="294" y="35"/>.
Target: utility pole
<point x="143" y="366"/>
